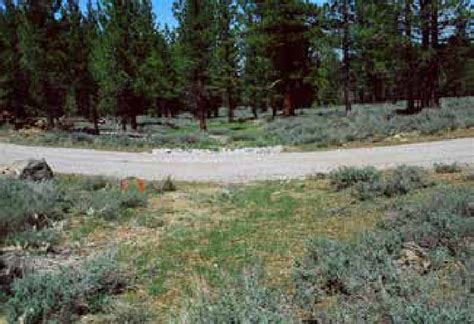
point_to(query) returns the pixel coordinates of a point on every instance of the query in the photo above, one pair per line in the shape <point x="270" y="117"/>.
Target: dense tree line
<point x="115" y="59"/>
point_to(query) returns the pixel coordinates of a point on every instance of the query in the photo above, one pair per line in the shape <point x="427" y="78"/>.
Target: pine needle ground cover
<point x="311" y="129"/>
<point x="314" y="249"/>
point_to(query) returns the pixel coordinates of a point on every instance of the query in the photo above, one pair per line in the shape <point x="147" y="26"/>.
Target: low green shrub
<point x="329" y="127"/>
<point x="447" y="168"/>
<point x="167" y="184"/>
<point x="426" y="313"/>
<point x="345" y="177"/>
<point x="44" y="239"/>
<point x="131" y="313"/>
<point x="405" y="179"/>
<point x="469" y="176"/>
<point x="439" y="221"/>
<point x="25" y="205"/>
<point x="332" y="267"/>
<point x="59" y="296"/>
<point x="112" y="204"/>
<point x="151" y="220"/>
<point x="400" y="181"/>
<point x="96" y="183"/>
<point x="244" y="300"/>
<point x="370" y="278"/>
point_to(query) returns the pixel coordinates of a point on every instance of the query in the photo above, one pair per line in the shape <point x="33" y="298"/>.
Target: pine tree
<point x="257" y="72"/>
<point x="123" y="47"/>
<point x="194" y="17"/>
<point x="341" y="17"/>
<point x="13" y="79"/>
<point x="43" y="56"/>
<point x="284" y="23"/>
<point x="226" y="56"/>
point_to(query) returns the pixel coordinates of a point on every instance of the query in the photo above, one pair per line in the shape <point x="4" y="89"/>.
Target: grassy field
<point x="358" y="245"/>
<point x="311" y="129"/>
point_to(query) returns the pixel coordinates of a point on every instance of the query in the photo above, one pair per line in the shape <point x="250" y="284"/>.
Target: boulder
<point x="31" y="169"/>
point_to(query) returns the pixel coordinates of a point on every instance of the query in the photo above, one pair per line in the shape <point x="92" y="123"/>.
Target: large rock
<point x="35" y="170"/>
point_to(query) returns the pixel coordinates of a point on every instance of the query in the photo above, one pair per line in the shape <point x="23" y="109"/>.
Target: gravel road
<point x="238" y="166"/>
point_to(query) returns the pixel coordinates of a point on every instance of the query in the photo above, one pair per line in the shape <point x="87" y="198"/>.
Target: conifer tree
<point x="195" y="17"/>
<point x="43" y="57"/>
<point x="13" y="79"/>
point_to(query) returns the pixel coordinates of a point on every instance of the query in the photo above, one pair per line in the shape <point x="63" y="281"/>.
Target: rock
<point x="413" y="256"/>
<point x="34" y="170"/>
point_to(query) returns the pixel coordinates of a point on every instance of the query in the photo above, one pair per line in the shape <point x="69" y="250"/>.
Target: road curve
<point x="239" y="166"/>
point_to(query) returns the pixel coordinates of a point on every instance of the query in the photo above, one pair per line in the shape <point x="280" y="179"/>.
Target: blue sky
<point x="164" y="13"/>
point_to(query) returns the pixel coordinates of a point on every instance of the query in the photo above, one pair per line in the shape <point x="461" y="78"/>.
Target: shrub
<point x="136" y="313"/>
<point x="244" y="300"/>
<point x="332" y="267"/>
<point x="441" y="220"/>
<point x="425" y="313"/>
<point x="469" y="176"/>
<point x="151" y="221"/>
<point x="167" y="185"/>
<point x="132" y="199"/>
<point x="328" y="127"/>
<point x="345" y="177"/>
<point x="24" y="205"/>
<point x="95" y="183"/>
<point x="112" y="204"/>
<point x="368" y="190"/>
<point x="44" y="239"/>
<point x="447" y="168"/>
<point x="405" y="179"/>
<point x="370" y="280"/>
<point x="59" y="296"/>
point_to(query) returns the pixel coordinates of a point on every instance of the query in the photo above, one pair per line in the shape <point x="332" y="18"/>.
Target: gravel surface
<point x="241" y="165"/>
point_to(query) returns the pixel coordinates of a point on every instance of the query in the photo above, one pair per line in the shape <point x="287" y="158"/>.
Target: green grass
<point x="311" y="129"/>
<point x="237" y="227"/>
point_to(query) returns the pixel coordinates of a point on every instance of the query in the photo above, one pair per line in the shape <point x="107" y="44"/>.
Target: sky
<point x="164" y="13"/>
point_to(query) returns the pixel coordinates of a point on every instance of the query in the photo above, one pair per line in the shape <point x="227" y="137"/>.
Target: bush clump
<point x="405" y="179"/>
<point x="25" y="205"/>
<point x="113" y="204"/>
<point x="368" y="183"/>
<point x="95" y="183"/>
<point x="345" y="177"/>
<point x="244" y="300"/>
<point x="331" y="127"/>
<point x="392" y="273"/>
<point x="447" y="168"/>
<point x="167" y="184"/>
<point x="59" y="296"/>
<point x="439" y="221"/>
<point x="44" y="239"/>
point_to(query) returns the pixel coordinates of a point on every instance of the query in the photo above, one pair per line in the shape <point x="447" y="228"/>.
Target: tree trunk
<point x="133" y="122"/>
<point x="435" y="60"/>
<point x="50" y="119"/>
<point x="425" y="86"/>
<point x="95" y="119"/>
<point x="123" y="121"/>
<point x="346" y="62"/>
<point x="274" y="107"/>
<point x="229" y="102"/>
<point x="202" y="119"/>
<point x="410" y="91"/>
<point x="288" y="107"/>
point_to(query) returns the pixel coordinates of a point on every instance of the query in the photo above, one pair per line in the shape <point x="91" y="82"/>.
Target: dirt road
<point x="239" y="166"/>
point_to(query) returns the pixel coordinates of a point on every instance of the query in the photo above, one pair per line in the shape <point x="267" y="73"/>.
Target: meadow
<point x="357" y="245"/>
